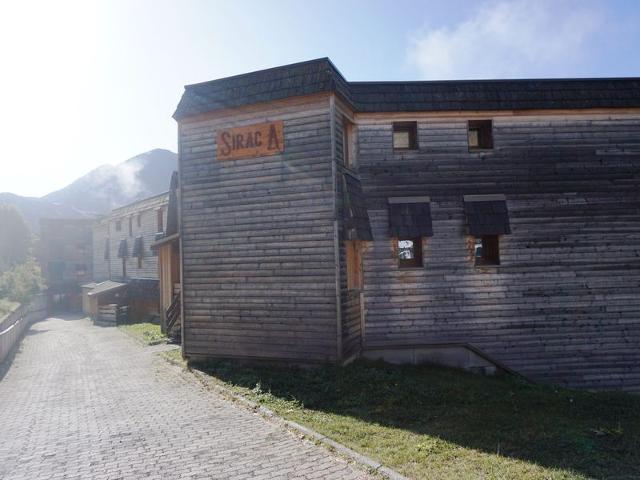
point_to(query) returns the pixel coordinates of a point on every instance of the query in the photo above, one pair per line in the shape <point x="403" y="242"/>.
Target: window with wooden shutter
<point x="487" y="219"/>
<point x="354" y="265"/>
<point x="160" y="220"/>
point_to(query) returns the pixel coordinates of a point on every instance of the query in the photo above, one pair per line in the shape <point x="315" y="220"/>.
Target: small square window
<point x="409" y="252"/>
<point x="487" y="250"/>
<point x="118" y="225"/>
<point x="405" y="136"/>
<point x="480" y="133"/>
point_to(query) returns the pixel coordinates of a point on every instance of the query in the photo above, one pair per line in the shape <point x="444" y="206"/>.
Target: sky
<point x="88" y="82"/>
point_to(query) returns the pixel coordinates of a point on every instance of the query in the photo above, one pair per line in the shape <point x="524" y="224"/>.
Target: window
<point x="409" y="252"/>
<point x="480" y="134"/>
<point x="405" y="136"/>
<point x="354" y="265"/>
<point x="487" y="250"/>
<point x="139" y="220"/>
<point x="347" y="143"/>
<point x="131" y="226"/>
<point x="140" y="261"/>
<point x="160" y="221"/>
<point x="118" y="225"/>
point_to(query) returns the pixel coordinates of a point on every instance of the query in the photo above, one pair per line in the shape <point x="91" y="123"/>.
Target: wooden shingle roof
<point x="317" y="76"/>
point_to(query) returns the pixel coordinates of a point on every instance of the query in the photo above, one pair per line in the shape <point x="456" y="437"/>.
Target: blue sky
<point x="91" y="82"/>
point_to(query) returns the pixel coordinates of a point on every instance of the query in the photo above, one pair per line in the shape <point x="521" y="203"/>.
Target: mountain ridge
<point x="100" y="190"/>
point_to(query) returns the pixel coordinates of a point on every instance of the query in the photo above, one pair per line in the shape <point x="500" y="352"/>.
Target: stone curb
<point x="364" y="461"/>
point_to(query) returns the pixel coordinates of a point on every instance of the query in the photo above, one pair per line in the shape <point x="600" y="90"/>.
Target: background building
<point x="122" y="251"/>
<point x="65" y="255"/>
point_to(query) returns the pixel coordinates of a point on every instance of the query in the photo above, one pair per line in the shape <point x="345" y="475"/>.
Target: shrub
<point x="22" y="281"/>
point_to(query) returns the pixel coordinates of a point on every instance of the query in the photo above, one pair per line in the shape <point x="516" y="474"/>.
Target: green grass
<point x="436" y="423"/>
<point x="6" y="307"/>
<point x="147" y="333"/>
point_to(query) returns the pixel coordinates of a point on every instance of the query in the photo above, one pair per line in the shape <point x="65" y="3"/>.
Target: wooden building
<point x="483" y="224"/>
<point x="65" y="257"/>
<point x="122" y="252"/>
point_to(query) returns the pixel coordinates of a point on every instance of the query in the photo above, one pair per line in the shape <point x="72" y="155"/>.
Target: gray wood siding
<point x="147" y="209"/>
<point x="257" y="239"/>
<point x="349" y="300"/>
<point x="564" y="305"/>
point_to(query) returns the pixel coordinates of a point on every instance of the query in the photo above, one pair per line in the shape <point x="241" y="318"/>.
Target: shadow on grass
<point x="597" y="435"/>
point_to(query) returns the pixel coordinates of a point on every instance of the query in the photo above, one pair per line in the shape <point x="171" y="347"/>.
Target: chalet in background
<point x="125" y="268"/>
<point x="64" y="254"/>
<point x="482" y="224"/>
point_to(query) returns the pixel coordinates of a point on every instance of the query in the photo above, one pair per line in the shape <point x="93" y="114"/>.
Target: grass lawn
<point x="148" y="333"/>
<point x="6" y="307"/>
<point x="436" y="423"/>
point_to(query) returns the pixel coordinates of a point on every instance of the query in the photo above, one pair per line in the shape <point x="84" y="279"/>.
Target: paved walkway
<point x="83" y="402"/>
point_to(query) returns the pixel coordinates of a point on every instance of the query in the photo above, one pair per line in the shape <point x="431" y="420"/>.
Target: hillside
<point x="101" y="190"/>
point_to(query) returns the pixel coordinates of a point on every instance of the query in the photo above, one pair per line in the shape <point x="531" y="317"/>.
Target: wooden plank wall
<point x="564" y="306"/>
<point x="257" y="238"/>
<point x="148" y="210"/>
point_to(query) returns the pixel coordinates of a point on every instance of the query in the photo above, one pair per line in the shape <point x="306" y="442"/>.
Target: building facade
<point x="65" y="256"/>
<point x="485" y="224"/>
<point x="122" y="251"/>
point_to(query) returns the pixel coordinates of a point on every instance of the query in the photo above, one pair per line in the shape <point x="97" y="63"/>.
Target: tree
<point x="15" y="237"/>
<point x="21" y="282"/>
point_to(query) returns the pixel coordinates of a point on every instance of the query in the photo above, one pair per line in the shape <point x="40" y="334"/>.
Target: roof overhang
<point x="163" y="241"/>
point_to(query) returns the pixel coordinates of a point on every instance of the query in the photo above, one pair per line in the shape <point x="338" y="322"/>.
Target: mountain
<point x="101" y="190"/>
<point x="33" y="209"/>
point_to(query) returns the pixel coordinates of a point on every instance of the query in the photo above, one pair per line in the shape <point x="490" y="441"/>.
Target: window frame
<point x="490" y="251"/>
<point x="160" y="220"/>
<point x="484" y="128"/>
<point x="418" y="260"/>
<point x="348" y="145"/>
<point x="412" y="129"/>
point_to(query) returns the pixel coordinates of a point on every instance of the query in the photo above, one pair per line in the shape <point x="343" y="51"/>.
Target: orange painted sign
<point x="258" y="140"/>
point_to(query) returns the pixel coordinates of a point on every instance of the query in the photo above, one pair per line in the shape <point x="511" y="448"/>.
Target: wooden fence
<point x="14" y="324"/>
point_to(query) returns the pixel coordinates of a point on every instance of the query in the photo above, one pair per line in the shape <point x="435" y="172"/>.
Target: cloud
<point x="510" y="39"/>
